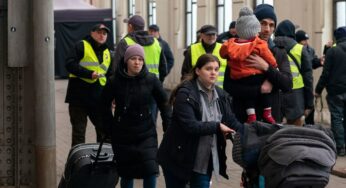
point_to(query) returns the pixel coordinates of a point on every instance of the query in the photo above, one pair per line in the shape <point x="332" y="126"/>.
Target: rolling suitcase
<point x="90" y="166"/>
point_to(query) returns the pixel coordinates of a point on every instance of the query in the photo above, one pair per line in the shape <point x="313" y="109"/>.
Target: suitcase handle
<point x="98" y="151"/>
<point x="102" y="156"/>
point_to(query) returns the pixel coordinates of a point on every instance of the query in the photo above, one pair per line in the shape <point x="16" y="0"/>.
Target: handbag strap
<point x="294" y="60"/>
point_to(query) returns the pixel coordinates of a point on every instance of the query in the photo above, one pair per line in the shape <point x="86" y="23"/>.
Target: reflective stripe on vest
<point x="152" y="55"/>
<point x="197" y="50"/>
<point x="296" y="51"/>
<point x="91" y="62"/>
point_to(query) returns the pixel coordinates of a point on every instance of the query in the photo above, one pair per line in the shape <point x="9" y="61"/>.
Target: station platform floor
<point x="63" y="145"/>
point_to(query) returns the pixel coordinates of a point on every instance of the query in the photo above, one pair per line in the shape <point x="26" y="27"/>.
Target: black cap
<point x="340" y="33"/>
<point x="100" y="27"/>
<point x="286" y="28"/>
<point x="232" y="25"/>
<point x="154" y="27"/>
<point x="208" y="29"/>
<point x="136" y="21"/>
<point x="301" y="35"/>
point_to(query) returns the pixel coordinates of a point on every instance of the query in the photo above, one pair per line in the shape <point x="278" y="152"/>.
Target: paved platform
<point x="63" y="142"/>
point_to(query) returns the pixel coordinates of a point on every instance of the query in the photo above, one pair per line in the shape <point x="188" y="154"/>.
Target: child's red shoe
<point x="267" y="116"/>
<point x="251" y="118"/>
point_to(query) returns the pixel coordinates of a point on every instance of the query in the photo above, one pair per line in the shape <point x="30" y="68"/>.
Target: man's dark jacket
<point x="223" y="37"/>
<point x="80" y="92"/>
<point x="168" y="54"/>
<point x="187" y="64"/>
<point x="305" y="70"/>
<point x="333" y="76"/>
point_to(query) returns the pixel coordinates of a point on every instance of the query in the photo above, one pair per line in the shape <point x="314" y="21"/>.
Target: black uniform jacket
<point x="80" y="92"/>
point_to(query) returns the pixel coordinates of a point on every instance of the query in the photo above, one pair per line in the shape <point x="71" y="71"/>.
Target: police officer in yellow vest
<point x="298" y="103"/>
<point x="88" y="63"/>
<point x="155" y="60"/>
<point x="207" y="44"/>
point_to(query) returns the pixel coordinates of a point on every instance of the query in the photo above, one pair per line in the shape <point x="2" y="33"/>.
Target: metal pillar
<point x="114" y="21"/>
<point x="43" y="58"/>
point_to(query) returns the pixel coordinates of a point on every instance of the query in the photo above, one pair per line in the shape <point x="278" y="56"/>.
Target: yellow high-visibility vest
<point x="91" y="62"/>
<point x="152" y="55"/>
<point x="197" y="50"/>
<point x="297" y="80"/>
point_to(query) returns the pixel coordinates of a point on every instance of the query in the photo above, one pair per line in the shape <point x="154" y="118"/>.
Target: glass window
<point x="270" y="2"/>
<point x="340" y="13"/>
<point x="152" y="12"/>
<point x="191" y="21"/>
<point x="132" y="7"/>
<point x="224" y="15"/>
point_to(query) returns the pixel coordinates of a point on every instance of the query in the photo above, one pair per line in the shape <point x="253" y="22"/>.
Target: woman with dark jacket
<point x="194" y="145"/>
<point x="132" y="129"/>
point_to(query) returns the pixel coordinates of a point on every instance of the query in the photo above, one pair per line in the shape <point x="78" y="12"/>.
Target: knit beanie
<point x="247" y="25"/>
<point x="301" y="35"/>
<point x="133" y="50"/>
<point x="285" y="29"/>
<point x="340" y="33"/>
<point x="265" y="11"/>
<point x="232" y="25"/>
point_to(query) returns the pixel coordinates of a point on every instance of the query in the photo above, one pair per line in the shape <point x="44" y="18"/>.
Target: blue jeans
<point x="154" y="111"/>
<point x="148" y="182"/>
<point x="196" y="181"/>
<point x="337" y="110"/>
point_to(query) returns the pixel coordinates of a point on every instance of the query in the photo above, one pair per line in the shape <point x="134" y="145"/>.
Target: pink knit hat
<point x="133" y="50"/>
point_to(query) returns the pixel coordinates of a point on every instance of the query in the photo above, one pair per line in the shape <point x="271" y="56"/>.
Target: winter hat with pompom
<point x="247" y="25"/>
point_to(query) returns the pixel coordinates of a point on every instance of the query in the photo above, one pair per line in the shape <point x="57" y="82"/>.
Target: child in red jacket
<point x="236" y="50"/>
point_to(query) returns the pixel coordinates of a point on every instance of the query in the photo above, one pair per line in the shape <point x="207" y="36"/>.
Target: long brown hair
<point x="201" y="62"/>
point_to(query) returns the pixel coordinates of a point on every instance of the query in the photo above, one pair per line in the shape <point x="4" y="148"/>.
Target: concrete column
<point x="43" y="61"/>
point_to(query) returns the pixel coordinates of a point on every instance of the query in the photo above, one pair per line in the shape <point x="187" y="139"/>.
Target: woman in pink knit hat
<point x="133" y="131"/>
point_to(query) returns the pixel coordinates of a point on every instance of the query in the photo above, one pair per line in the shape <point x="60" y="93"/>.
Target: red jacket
<point x="236" y="53"/>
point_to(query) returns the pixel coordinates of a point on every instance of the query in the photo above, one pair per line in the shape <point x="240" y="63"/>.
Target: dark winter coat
<point x="223" y="37"/>
<point x="333" y="76"/>
<point x="305" y="70"/>
<point x="80" y="92"/>
<point x="168" y="54"/>
<point x="187" y="64"/>
<point x="281" y="79"/>
<point x="144" y="39"/>
<point x="178" y="148"/>
<point x="315" y="61"/>
<point x="133" y="131"/>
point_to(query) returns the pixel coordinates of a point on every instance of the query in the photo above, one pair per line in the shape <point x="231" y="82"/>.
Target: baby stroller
<point x="276" y="156"/>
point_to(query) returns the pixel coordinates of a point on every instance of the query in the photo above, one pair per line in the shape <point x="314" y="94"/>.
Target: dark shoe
<point x="341" y="151"/>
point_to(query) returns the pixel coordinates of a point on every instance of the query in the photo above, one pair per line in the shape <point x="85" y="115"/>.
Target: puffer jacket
<point x="132" y="128"/>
